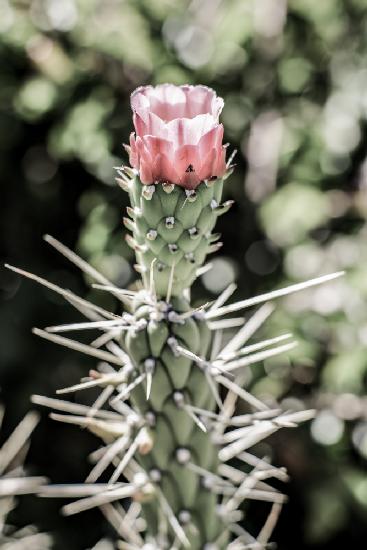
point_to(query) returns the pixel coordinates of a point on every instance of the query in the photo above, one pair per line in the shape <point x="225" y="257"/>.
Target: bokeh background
<point x="294" y="78"/>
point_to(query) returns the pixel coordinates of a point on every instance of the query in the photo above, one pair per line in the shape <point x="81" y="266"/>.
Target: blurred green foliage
<point x="293" y="75"/>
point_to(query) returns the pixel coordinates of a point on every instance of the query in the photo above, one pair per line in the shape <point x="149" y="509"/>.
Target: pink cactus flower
<point x="178" y="137"/>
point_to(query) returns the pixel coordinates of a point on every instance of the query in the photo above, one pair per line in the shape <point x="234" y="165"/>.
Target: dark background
<point x="294" y="78"/>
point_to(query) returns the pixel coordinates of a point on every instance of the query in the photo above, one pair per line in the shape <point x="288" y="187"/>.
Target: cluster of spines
<point x="172" y="228"/>
<point x="14" y="482"/>
<point x="128" y="433"/>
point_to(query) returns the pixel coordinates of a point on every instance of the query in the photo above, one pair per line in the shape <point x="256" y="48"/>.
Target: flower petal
<point x="178" y="137"/>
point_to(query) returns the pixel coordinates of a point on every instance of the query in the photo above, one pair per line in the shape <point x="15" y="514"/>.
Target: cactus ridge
<point x="173" y="227"/>
<point x="177" y="383"/>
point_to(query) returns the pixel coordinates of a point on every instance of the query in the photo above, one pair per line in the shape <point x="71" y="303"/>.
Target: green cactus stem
<point x="182" y="448"/>
<point x="172" y="230"/>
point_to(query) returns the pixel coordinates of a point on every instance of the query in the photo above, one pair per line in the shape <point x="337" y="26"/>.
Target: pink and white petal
<point x="145" y="172"/>
<point x="168" y="111"/>
<point x="186" y="131"/>
<point x="220" y="163"/>
<point x="168" y="171"/>
<point x="133" y="153"/>
<point x="217" y="106"/>
<point x="144" y="153"/>
<point x="200" y="98"/>
<point x="157" y="145"/>
<point x="207" y="168"/>
<point x="141" y="124"/>
<point x="139" y="101"/>
<point x="204" y="100"/>
<point x="157" y="167"/>
<point x="199" y="126"/>
<point x="176" y="132"/>
<point x="213" y="138"/>
<point x="189" y="180"/>
<point x="148" y="124"/>
<point x="166" y="101"/>
<point x="187" y="159"/>
<point x="169" y="94"/>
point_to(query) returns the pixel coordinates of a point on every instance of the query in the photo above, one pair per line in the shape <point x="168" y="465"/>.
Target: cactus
<point x="171" y="382"/>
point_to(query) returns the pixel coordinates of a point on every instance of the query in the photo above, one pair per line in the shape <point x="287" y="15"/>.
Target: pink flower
<point x="178" y="136"/>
